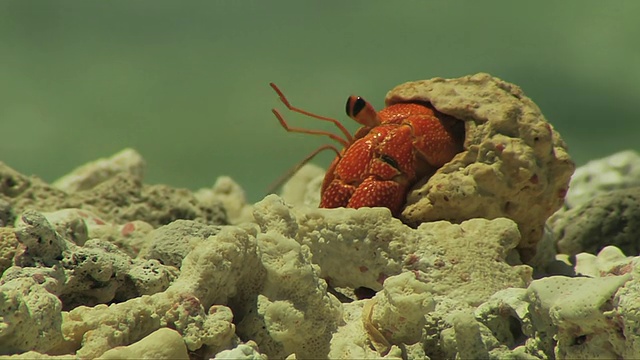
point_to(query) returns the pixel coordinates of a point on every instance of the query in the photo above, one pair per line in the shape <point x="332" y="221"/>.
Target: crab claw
<point x="374" y="192"/>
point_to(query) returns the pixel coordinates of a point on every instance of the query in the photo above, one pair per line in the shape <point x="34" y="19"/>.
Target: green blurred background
<point x="186" y="83"/>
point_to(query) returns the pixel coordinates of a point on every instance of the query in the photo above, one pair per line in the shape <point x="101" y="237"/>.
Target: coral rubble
<point x="100" y="265"/>
<point x="514" y="163"/>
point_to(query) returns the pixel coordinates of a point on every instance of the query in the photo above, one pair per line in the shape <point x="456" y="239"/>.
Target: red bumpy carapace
<point x="385" y="157"/>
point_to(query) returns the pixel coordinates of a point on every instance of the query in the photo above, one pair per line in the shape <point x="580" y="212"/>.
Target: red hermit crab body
<point x="386" y="156"/>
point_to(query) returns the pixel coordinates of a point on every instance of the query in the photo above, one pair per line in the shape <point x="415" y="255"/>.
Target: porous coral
<point x="514" y="163"/>
<point x="601" y="208"/>
<point x="210" y="275"/>
<point x="118" y="198"/>
<point x="87" y="176"/>
<point x="614" y="172"/>
<point x="97" y="272"/>
<point x="610" y="218"/>
<point x="160" y="344"/>
<point x="269" y="285"/>
<point x="377" y="245"/>
<point x="30" y="317"/>
<point x="568" y="317"/>
<point x="447" y="262"/>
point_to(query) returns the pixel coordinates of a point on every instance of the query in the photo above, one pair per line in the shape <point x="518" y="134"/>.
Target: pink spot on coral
<point x="127" y="229"/>
<point x="381" y="278"/>
<point x="38" y="277"/>
<point x="363" y="268"/>
<point x="562" y="192"/>
<point x="618" y="270"/>
<point x="412" y="259"/>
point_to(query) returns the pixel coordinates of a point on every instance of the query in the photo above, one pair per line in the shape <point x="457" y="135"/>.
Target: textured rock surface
<point x="30" y="317"/>
<point x="89" y="332"/>
<point x="398" y="311"/>
<point x="618" y="171"/>
<point x="209" y="275"/>
<point x="568" y="310"/>
<point x="514" y="163"/>
<point x="124" y="269"/>
<point x="602" y="207"/>
<point x="161" y="344"/>
<point x="7" y="216"/>
<point x="447" y="262"/>
<point x="227" y="192"/>
<point x="8" y="247"/>
<point x="304" y="186"/>
<point x="169" y="244"/>
<point x="293" y="312"/>
<point x="609" y="261"/>
<point x="248" y="351"/>
<point x="267" y="280"/>
<point x="22" y="192"/>
<point x="97" y="272"/>
<point x="119" y="199"/>
<point x="124" y="198"/>
<point x="378" y="245"/>
<point x="89" y="175"/>
<point x="564" y="317"/>
<point x="610" y="218"/>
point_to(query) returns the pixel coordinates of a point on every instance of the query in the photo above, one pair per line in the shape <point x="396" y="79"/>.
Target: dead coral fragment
<point x="396" y="315"/>
<point x="30" y="317"/>
<point x="514" y="163"/>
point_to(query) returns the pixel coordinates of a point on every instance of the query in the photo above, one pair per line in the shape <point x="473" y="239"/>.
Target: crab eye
<point x="355" y="104"/>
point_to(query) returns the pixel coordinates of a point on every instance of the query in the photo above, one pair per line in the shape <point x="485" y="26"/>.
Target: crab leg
<point x="287" y="175"/>
<point x="345" y="132"/>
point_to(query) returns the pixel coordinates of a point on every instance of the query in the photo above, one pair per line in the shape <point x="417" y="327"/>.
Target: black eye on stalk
<point x="355" y="104"/>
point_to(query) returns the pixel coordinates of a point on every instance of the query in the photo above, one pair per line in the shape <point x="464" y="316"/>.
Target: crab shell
<point x="378" y="168"/>
<point x="514" y="164"/>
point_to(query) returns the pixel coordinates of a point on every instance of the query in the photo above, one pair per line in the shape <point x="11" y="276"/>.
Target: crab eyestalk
<point x="362" y="111"/>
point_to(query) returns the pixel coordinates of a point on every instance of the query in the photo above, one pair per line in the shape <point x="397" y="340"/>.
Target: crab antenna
<point x="287" y="175"/>
<point x="337" y="123"/>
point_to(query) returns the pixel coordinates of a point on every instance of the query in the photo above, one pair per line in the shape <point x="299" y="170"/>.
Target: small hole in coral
<point x="579" y="340"/>
<point x="9" y="182"/>
<point x="363" y="293"/>
<point x="515" y="327"/>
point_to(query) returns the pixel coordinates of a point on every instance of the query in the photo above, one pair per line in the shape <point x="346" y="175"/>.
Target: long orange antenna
<point x="287" y="175"/>
<point x="345" y="132"/>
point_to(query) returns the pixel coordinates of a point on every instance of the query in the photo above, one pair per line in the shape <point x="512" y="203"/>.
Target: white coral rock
<point x="514" y="163"/>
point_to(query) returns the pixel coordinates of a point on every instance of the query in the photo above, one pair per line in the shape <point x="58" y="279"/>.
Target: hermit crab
<point x="384" y="158"/>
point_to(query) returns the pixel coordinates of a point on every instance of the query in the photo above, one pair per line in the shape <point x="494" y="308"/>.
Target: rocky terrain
<point x="500" y="254"/>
